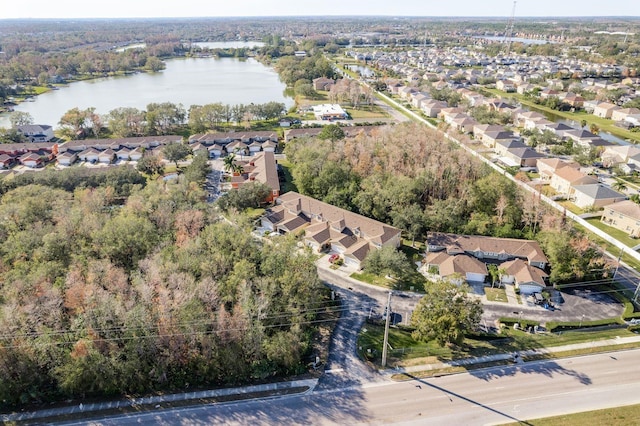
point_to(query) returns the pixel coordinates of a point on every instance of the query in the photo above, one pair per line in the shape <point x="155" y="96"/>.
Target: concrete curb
<point x="154" y="400"/>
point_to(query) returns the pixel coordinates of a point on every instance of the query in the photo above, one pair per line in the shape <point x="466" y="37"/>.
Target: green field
<point x="619" y="416"/>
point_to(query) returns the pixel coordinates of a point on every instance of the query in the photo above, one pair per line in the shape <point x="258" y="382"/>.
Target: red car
<point x="333" y="258"/>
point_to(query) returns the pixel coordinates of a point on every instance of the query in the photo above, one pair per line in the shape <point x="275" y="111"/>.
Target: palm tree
<point x="619" y="186"/>
<point x="229" y="162"/>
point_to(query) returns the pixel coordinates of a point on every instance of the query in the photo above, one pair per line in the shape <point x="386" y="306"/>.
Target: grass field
<point x="619" y="235"/>
<point x="407" y="351"/>
<point x="619" y="416"/>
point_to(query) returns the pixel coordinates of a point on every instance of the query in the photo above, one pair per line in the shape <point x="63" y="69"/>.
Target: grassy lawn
<point x="372" y="279"/>
<point x="288" y="184"/>
<point x="368" y="111"/>
<point x="619" y="235"/>
<point x="407" y="351"/>
<point x="571" y="207"/>
<point x="620" y="416"/>
<point x="496" y="294"/>
<point x="603" y="123"/>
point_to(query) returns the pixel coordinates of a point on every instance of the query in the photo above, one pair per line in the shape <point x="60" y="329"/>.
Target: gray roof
<point x="598" y="191"/>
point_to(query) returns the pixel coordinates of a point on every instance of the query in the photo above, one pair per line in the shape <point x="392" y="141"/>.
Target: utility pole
<point x="508" y="32"/>
<point x="386" y="332"/>
<point x="617" y="264"/>
<point x="635" y="295"/>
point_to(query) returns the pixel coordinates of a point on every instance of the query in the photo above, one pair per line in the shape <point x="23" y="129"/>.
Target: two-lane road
<point x="489" y="396"/>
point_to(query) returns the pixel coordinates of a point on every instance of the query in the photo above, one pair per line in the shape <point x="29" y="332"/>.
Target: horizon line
<point x="320" y="16"/>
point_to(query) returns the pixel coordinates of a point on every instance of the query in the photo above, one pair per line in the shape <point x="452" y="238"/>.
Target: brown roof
<point x="627" y="208"/>
<point x="526" y="249"/>
<point x="359" y="250"/>
<point x="572" y="175"/>
<point x="461" y="264"/>
<point x="372" y="230"/>
<point x="260" y="168"/>
<point x="524" y="273"/>
<point x="556" y="163"/>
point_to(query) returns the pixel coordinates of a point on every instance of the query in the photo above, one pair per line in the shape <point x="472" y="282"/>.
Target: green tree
<point x="154" y="64"/>
<point x="198" y="169"/>
<point x="126" y="239"/>
<point x="175" y="152"/>
<point x="126" y="122"/>
<point x="619" y="185"/>
<point x="151" y="165"/>
<point x="252" y="194"/>
<point x="445" y="313"/>
<point x="20" y="118"/>
<point x="331" y="132"/>
<point x="387" y="261"/>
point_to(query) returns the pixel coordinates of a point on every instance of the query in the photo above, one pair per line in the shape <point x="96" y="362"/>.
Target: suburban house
<point x="523" y="276"/>
<point x="327" y="227"/>
<point x="219" y="144"/>
<point x="66" y="158"/>
<point x="491" y="138"/>
<point x="624" y="215"/>
<point x="260" y="168"/>
<point x="622" y="114"/>
<point x="6" y="161"/>
<point x="17" y="153"/>
<point x="618" y="154"/>
<point x="36" y="132"/>
<point x="468" y="255"/>
<point x="595" y="196"/>
<point x="503" y="145"/>
<point x="605" y="109"/>
<point x="432" y="108"/>
<point x="548" y="166"/>
<point x="457" y="268"/>
<point x="523" y="156"/>
<point x="564" y="179"/>
<point x="31" y="160"/>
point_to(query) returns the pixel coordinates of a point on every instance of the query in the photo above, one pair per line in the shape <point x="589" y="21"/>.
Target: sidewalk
<point x="310" y="384"/>
<point x="510" y="356"/>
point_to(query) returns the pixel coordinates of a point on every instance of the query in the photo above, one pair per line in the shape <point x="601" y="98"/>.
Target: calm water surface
<point x="194" y="81"/>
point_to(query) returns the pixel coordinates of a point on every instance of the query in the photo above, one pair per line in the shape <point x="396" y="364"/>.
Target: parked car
<point x="334" y="257"/>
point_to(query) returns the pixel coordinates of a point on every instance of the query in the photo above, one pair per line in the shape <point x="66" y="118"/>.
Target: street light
<point x="581" y="319"/>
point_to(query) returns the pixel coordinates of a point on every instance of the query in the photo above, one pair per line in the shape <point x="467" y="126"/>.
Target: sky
<point x="222" y="8"/>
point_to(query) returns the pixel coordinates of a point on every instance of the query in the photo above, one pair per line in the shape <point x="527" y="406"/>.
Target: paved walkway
<point x="510" y="356"/>
<point x="310" y="384"/>
<point x="512" y="299"/>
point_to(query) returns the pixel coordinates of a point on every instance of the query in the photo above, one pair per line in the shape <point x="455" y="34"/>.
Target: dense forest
<point x="412" y="178"/>
<point x="111" y="291"/>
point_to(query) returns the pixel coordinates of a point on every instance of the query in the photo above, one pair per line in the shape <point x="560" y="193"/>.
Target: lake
<point x="573" y="123"/>
<point x="192" y="81"/>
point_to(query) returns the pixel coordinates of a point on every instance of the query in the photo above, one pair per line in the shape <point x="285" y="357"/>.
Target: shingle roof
<point x="598" y="191"/>
<point x="627" y="208"/>
<point x="527" y="249"/>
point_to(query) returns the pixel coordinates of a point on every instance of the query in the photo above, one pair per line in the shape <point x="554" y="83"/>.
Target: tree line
<point x="163" y="118"/>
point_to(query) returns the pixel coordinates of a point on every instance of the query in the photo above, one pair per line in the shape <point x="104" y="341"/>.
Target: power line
<point x="199" y="333"/>
<point x="71" y="333"/>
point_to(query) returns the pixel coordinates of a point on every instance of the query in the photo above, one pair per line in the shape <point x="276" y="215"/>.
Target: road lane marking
<point x="334" y="370"/>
